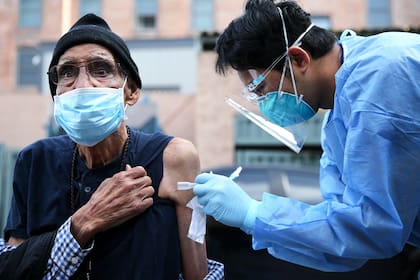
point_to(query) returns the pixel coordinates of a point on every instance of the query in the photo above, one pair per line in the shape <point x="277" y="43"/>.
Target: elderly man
<point x="101" y="201"/>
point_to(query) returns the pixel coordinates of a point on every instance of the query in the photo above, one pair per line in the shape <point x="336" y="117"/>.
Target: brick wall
<point x="8" y="20"/>
<point x="213" y="118"/>
<point x="405" y="13"/>
<point x="343" y="13"/>
<point x="174" y="18"/>
<point x="23" y="118"/>
<point x="201" y="117"/>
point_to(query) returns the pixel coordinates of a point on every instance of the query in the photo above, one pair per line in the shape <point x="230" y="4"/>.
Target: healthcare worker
<point x="369" y="177"/>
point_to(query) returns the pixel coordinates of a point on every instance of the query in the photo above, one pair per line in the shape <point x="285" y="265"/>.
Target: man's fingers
<point x="146" y="203"/>
<point x="132" y="172"/>
<point x="145" y="192"/>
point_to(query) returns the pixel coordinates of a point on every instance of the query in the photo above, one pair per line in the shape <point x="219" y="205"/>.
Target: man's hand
<point x="118" y="199"/>
<point x="225" y="200"/>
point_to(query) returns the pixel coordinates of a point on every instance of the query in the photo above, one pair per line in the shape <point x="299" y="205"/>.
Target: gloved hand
<point x="225" y="200"/>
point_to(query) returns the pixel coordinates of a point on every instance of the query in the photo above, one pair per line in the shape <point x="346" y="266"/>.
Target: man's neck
<point x="105" y="151"/>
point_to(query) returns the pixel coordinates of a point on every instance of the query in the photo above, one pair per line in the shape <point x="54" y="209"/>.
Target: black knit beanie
<point x="93" y="29"/>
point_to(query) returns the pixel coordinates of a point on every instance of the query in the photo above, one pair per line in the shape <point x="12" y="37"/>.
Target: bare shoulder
<point x="181" y="163"/>
<point x="181" y="153"/>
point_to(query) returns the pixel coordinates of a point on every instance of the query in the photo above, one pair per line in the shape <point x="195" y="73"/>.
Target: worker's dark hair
<point x="255" y="39"/>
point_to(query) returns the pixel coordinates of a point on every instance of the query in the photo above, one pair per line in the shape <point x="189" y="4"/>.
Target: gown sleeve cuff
<point x="251" y="215"/>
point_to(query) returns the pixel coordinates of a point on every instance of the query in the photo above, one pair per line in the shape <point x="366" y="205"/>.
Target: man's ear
<point x="132" y="93"/>
<point x="299" y="57"/>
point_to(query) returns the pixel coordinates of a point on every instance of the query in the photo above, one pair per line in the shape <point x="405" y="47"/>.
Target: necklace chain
<point x="72" y="179"/>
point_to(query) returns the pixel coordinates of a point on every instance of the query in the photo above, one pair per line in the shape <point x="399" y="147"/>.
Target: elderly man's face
<point x="87" y="65"/>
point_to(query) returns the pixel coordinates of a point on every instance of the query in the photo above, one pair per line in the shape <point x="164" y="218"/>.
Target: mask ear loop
<point x="125" y="82"/>
<point x="283" y="74"/>
<point x="292" y="76"/>
<point x="299" y="98"/>
<point x="287" y="59"/>
<point x="126" y="104"/>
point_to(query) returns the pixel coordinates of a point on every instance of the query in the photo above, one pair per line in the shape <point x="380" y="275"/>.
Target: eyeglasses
<point x="99" y="70"/>
<point x="251" y="92"/>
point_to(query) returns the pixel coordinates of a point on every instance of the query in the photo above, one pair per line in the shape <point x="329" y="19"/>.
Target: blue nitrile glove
<point x="225" y="200"/>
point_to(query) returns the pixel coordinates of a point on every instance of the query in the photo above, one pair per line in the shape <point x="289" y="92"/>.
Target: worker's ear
<point x="300" y="58"/>
<point x="132" y="93"/>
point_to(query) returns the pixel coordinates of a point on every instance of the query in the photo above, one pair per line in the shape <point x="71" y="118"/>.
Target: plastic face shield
<point x="292" y="136"/>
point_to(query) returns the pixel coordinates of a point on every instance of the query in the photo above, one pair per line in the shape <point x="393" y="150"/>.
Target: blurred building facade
<point x="182" y="94"/>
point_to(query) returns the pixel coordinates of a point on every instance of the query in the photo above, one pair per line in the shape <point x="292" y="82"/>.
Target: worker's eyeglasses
<point x="100" y="70"/>
<point x="252" y="92"/>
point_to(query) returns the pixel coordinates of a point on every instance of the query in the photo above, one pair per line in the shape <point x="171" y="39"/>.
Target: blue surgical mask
<point x="284" y="110"/>
<point x="89" y="115"/>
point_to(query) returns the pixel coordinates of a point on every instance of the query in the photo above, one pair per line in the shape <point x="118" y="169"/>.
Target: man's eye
<point x="101" y="69"/>
<point x="259" y="90"/>
<point x="67" y="71"/>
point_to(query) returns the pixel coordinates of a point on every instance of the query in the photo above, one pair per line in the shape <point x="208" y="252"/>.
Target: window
<point x="322" y="21"/>
<point x="29" y="67"/>
<point x="202" y="15"/>
<point x="255" y="146"/>
<point x="379" y="13"/>
<point x="89" y="6"/>
<point x="146" y="11"/>
<point x="29" y="13"/>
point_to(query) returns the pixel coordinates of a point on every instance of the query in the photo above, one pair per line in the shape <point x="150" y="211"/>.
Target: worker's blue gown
<point x="370" y="168"/>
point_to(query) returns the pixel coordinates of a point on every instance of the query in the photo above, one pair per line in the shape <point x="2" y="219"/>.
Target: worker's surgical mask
<point x="89" y="115"/>
<point x="281" y="108"/>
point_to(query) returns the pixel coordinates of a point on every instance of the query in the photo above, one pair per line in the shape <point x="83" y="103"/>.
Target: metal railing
<point x="7" y="163"/>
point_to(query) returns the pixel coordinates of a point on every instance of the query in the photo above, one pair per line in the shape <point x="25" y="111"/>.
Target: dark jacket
<point x="29" y="260"/>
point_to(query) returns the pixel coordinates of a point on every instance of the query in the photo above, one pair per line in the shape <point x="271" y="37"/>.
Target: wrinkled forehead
<point x="85" y="52"/>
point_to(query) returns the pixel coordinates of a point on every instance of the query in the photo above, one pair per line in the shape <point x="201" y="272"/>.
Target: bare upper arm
<point x="181" y="163"/>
